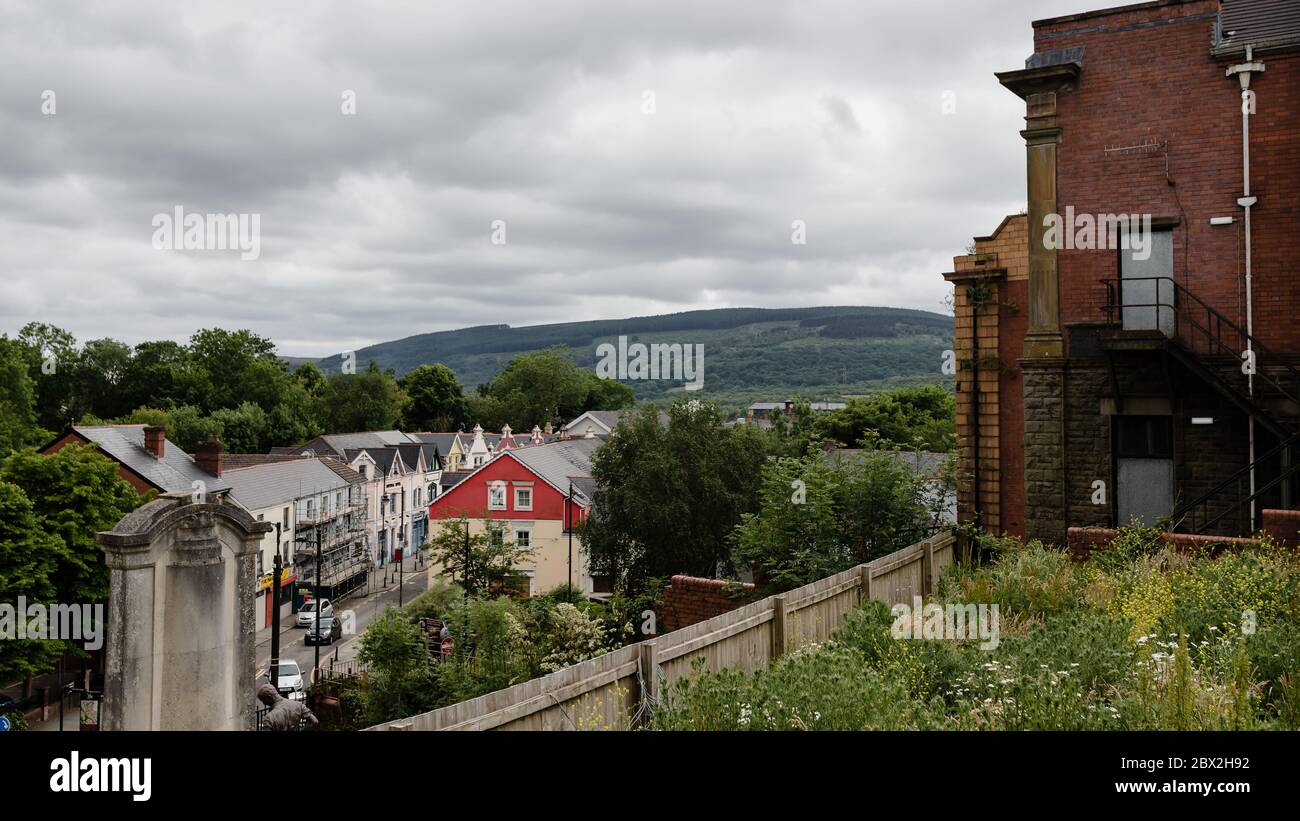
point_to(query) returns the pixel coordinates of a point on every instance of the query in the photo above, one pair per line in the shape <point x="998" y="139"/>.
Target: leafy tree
<point x="399" y="674"/>
<point x="437" y="399"/>
<point x="541" y="387"/>
<point x="75" y="492"/>
<point x="190" y="428"/>
<point x="155" y="375"/>
<point x="52" y="365"/>
<point x="606" y="394"/>
<point x="369" y="400"/>
<point x="820" y="516"/>
<point x="490" y="556"/>
<point x="919" y="417"/>
<point x="229" y="367"/>
<point x="17" y="399"/>
<point x="670" y="494"/>
<point x="243" y="428"/>
<point x="101" y="367"/>
<point x="29" y="556"/>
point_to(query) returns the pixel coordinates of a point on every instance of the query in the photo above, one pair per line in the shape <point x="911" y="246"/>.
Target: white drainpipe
<point x="1244" y="72"/>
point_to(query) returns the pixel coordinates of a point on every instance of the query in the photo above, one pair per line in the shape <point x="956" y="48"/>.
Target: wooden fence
<point x="615" y="691"/>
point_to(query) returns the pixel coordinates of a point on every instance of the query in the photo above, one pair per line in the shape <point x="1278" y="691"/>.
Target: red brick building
<point x="1154" y="344"/>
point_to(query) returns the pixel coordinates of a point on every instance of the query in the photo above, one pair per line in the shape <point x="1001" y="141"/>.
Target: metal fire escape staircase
<point x="1212" y="347"/>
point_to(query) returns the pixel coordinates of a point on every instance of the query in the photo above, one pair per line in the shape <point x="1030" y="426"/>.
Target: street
<point x="364" y="608"/>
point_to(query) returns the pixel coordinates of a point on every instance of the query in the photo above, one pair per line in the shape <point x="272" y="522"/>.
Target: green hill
<point x="750" y="354"/>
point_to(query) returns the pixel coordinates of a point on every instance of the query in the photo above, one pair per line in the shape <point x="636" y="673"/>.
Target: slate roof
<point x="279" y="483"/>
<point x="175" y="471"/>
<point x="559" y="461"/>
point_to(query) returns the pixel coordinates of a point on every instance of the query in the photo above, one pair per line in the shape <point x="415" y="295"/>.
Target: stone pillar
<point x="180" y="651"/>
<point x="1045" y="76"/>
<point x="1045" y="509"/>
<point x="1038" y="85"/>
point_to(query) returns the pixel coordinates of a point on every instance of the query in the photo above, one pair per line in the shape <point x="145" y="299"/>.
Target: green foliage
<point x="436" y="602"/>
<point x="922" y="417"/>
<point x="29" y="562"/>
<point x="670" y="495"/>
<point x="74" y="493"/>
<point x="367" y="400"/>
<point x="819" y="516"/>
<point x="17" y="399"/>
<point x="437" y="400"/>
<point x="400" y="676"/>
<point x="1069" y="656"/>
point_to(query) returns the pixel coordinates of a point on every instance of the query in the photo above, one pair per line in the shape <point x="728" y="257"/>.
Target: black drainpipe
<point x="975" y="399"/>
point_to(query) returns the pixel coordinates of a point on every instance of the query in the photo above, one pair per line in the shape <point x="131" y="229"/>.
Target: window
<point x="365" y="471"/>
<point x="496" y="497"/>
<point x="1144" y="437"/>
<point x="286" y="518"/>
<point x="524" y="537"/>
<point x="417" y="496"/>
<point x="523" y="498"/>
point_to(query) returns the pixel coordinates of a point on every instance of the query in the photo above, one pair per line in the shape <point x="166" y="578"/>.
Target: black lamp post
<point x="275" y="612"/>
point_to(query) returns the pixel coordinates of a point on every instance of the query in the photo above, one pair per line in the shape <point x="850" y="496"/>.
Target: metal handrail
<point x="1204" y="499"/>
<point x="1212" y="329"/>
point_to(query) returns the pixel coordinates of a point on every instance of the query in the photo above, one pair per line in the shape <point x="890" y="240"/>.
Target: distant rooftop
<point x="175" y="471"/>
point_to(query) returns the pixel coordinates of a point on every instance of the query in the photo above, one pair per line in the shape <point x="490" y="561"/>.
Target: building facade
<point x="1158" y="363"/>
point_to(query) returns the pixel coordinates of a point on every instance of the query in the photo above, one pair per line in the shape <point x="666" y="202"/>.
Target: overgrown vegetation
<point x="499" y="642"/>
<point x="1139" y="637"/>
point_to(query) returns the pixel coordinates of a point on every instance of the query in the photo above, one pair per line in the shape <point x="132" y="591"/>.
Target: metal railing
<point x="1202" y="330"/>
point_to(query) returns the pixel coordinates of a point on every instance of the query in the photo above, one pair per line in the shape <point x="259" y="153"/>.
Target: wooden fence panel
<point x="606" y="692"/>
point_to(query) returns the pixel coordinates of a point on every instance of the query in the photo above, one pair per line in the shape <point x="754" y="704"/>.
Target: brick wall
<point x="1283" y="526"/>
<point x="1148" y="75"/>
<point x="689" y="600"/>
<point x="989" y="326"/>
<point x="1083" y="541"/>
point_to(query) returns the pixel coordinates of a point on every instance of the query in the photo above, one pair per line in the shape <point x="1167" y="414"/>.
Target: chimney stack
<point x="154" y="437"/>
<point x="208" y="456"/>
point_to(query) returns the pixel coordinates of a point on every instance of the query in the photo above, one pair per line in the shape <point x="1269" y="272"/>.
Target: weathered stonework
<point x="1044" y="381"/>
<point x="180" y="651"/>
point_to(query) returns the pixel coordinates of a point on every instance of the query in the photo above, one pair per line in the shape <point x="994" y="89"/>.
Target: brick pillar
<point x="1045" y="514"/>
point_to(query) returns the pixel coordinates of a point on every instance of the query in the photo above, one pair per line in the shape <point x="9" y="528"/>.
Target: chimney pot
<point x="154" y="439"/>
<point x="208" y="456"/>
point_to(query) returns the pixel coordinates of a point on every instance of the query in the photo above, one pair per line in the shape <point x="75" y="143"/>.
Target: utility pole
<point x="275" y="611"/>
<point x="316" y="626"/>
<point x="569" y="515"/>
<point x="464" y="639"/>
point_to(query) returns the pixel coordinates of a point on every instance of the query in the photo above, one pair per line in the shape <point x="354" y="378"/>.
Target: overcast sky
<point x="644" y="157"/>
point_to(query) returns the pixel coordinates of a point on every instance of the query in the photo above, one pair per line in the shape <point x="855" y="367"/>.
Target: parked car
<point x="289" y="681"/>
<point x="308" y="612"/>
<point x="325" y="630"/>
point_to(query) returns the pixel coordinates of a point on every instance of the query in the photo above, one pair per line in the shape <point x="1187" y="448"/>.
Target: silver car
<point x="289" y="679"/>
<point x="308" y="612"/>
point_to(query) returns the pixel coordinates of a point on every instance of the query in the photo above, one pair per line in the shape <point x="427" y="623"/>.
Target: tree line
<point x="233" y="385"/>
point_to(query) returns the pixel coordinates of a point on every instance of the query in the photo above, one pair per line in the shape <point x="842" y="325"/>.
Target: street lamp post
<point x="275" y="612"/>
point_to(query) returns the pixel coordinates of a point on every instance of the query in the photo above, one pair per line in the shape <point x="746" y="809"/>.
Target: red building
<point x="539" y="492"/>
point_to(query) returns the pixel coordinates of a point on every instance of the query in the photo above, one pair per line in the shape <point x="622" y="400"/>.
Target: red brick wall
<point x="1148" y="74"/>
<point x="689" y="600"/>
<point x="1084" y="540"/>
<point x="1013" y="323"/>
<point x="1283" y="526"/>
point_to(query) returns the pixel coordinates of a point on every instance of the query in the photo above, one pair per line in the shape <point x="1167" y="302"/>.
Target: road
<point x="365" y="610"/>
